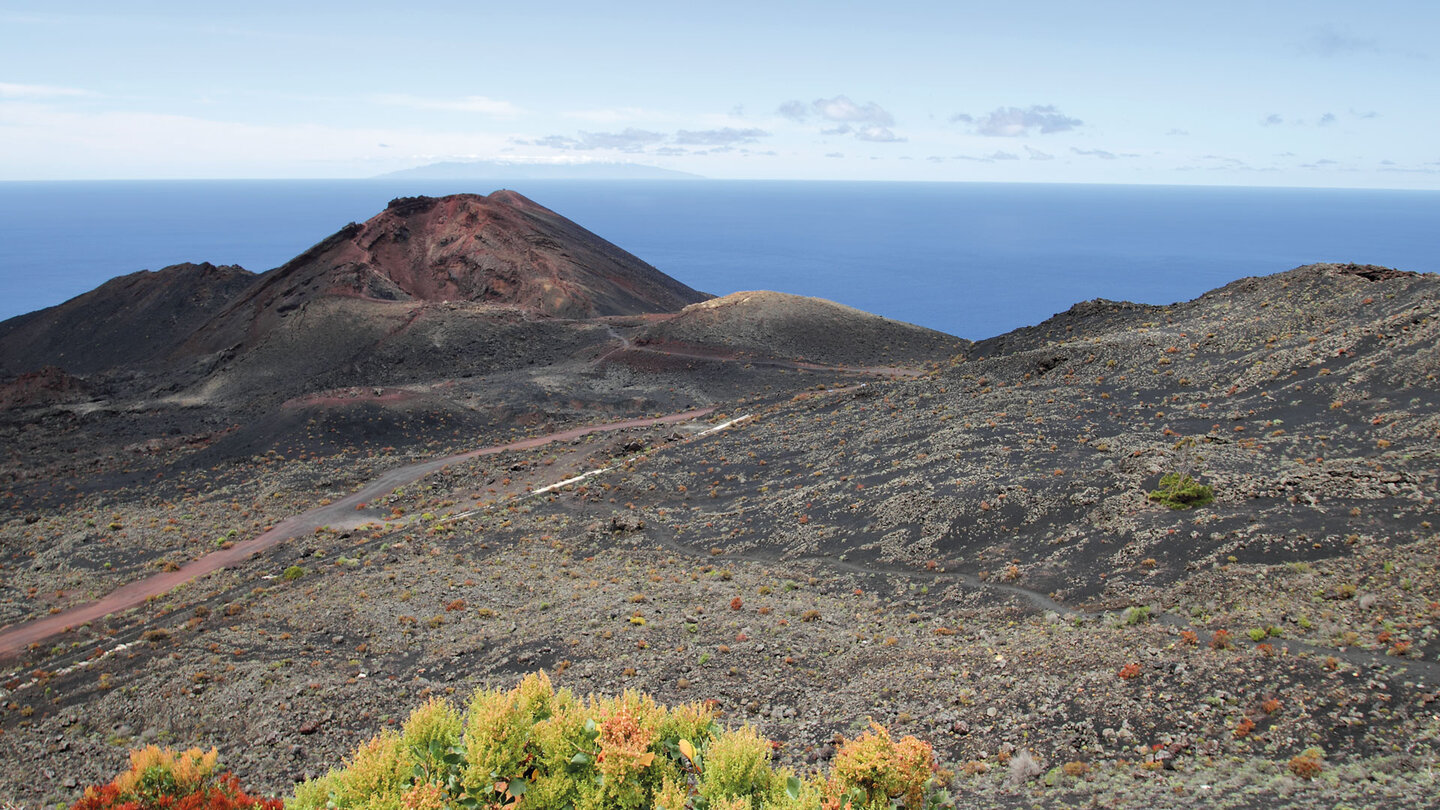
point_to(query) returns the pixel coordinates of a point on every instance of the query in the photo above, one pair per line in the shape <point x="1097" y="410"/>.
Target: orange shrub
<point x="881" y="770"/>
<point x="1306" y="766"/>
<point x="161" y="778"/>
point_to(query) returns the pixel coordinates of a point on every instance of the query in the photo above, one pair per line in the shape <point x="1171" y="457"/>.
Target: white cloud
<point x="476" y="104"/>
<point x="629" y="140"/>
<point x="724" y="136"/>
<point x="794" y="110"/>
<point x="39" y="91"/>
<point x="633" y="140"/>
<point x="1326" y="41"/>
<point x="1012" y="122"/>
<point x="40" y="142"/>
<point x="867" y="122"/>
<point x="842" y="109"/>
<point x="877" y="134"/>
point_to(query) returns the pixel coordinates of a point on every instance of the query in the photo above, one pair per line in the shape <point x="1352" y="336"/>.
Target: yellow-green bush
<point x="430" y="732"/>
<point x="379" y="772"/>
<point x="792" y="793"/>
<point x="500" y="726"/>
<point x="737" y="765"/>
<point x="535" y="747"/>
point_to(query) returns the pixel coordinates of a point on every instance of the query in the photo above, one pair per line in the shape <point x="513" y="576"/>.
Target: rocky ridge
<point x="130" y="322"/>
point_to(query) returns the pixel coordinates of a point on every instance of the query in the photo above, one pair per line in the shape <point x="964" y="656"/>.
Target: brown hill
<point x="795" y="327"/>
<point x="500" y="249"/>
<point x="132" y="320"/>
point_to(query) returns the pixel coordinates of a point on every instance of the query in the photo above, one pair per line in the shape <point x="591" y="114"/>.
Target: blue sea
<point x="971" y="259"/>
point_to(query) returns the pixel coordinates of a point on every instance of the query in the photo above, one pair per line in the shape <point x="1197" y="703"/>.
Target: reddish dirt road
<point x="16" y="638"/>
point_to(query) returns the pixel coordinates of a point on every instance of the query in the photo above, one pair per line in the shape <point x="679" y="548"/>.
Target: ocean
<point x="971" y="259"/>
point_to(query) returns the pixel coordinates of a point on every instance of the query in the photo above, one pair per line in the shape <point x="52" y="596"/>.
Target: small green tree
<point x="1179" y="488"/>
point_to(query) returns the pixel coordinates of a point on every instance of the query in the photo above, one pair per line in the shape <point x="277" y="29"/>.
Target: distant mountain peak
<point x="502" y="249"/>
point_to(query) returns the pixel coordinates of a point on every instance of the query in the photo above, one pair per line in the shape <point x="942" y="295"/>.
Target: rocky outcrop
<point x="48" y="386"/>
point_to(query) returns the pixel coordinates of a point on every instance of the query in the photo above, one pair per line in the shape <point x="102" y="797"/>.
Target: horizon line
<point x="702" y="178"/>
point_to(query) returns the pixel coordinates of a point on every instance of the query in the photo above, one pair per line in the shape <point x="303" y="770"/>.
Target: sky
<point x="1274" y="93"/>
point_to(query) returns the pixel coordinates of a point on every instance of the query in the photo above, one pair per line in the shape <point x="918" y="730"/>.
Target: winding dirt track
<point x="16" y="638"/>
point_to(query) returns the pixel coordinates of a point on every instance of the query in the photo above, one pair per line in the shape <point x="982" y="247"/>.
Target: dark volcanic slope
<point x="501" y="249"/>
<point x="130" y="320"/>
<point x="1310" y="396"/>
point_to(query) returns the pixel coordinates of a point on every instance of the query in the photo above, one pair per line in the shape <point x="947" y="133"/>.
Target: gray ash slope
<point x="1311" y="397"/>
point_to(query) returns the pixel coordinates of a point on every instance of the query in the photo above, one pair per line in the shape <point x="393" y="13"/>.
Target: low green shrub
<point x="1179" y="488"/>
<point x="1179" y="491"/>
<point x="1136" y="614"/>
